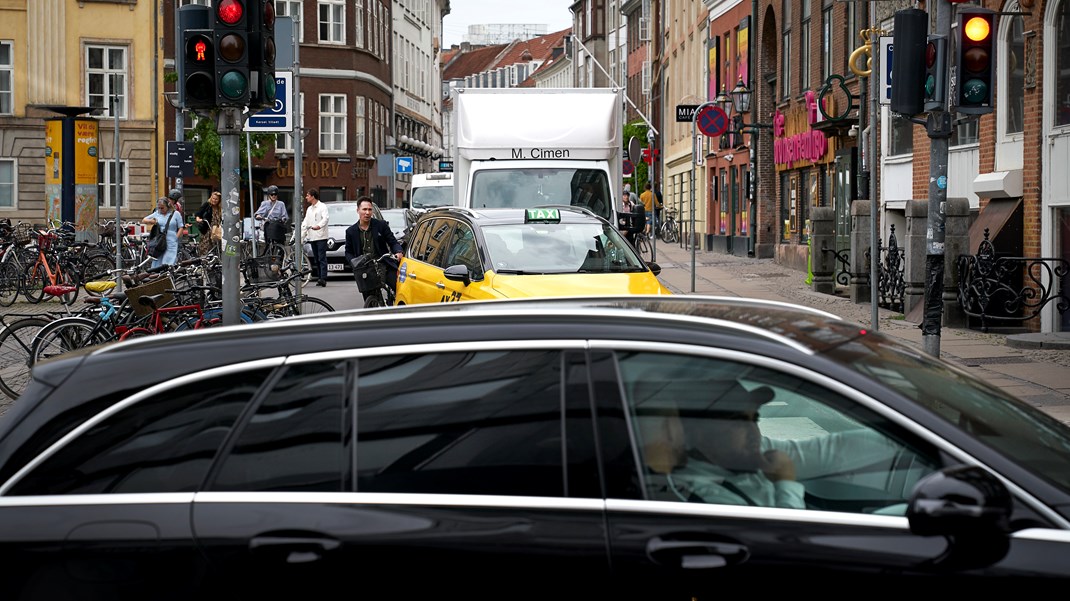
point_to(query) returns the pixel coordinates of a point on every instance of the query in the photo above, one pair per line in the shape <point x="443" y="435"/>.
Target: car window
<point x="438" y="240"/>
<point x="489" y="422"/>
<point x="464" y="251"/>
<point x="163" y="443"/>
<point x="418" y="247"/>
<point x="297" y="439"/>
<point x="716" y="431"/>
<point x="592" y="247"/>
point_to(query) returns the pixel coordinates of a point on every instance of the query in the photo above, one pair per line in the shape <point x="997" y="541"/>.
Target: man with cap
<point x="273" y="212"/>
<point x="729" y="461"/>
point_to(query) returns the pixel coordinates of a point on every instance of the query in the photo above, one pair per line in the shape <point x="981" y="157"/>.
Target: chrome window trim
<point x="440" y="347"/>
<point x="406" y="499"/>
<point x="746" y="512"/>
<point x="846" y="391"/>
<point x="130" y="401"/>
<point x="164" y="498"/>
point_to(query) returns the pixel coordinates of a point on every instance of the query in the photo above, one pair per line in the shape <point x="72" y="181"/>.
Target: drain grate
<point x="991" y="360"/>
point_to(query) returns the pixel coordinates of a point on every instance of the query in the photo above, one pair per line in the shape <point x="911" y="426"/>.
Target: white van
<point x="430" y="190"/>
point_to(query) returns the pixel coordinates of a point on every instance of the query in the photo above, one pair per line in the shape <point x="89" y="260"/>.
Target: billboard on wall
<point x="712" y="70"/>
<point x="743" y="51"/>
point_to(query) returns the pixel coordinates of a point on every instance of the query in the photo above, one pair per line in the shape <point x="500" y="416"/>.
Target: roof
<point x="460" y="64"/>
<point x="472" y="62"/>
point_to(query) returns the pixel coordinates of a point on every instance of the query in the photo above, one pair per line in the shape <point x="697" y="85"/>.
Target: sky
<point x="552" y="13"/>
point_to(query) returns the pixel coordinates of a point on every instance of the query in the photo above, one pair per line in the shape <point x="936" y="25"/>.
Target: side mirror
<point x="458" y="273"/>
<point x="971" y="508"/>
<point x="654" y="268"/>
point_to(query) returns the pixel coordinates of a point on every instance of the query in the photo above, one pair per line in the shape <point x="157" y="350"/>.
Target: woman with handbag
<point x="209" y="220"/>
<point x="170" y="223"/>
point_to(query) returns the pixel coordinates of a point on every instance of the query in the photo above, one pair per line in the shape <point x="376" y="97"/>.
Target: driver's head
<point x="726" y="432"/>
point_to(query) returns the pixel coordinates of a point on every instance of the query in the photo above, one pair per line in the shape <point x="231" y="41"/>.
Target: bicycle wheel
<point x="310" y="305"/>
<point x="97" y="268"/>
<point x="16" y="341"/>
<point x="10" y="283"/>
<point x="642" y="244"/>
<point x="64" y="335"/>
<point x="136" y="333"/>
<point x="33" y="282"/>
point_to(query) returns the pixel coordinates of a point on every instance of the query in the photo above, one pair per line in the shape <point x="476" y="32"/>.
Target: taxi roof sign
<point x="542" y="215"/>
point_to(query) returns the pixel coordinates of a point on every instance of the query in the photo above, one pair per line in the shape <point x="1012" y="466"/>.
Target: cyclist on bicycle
<point x="372" y="237"/>
<point x="273" y="212"/>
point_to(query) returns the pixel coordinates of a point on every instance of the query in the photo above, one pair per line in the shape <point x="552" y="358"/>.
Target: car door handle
<point x="440" y="285"/>
<point x="298" y="549"/>
<point x="695" y="555"/>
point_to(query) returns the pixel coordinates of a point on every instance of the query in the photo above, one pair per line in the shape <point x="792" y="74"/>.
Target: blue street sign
<point x="403" y="165"/>
<point x="278" y="118"/>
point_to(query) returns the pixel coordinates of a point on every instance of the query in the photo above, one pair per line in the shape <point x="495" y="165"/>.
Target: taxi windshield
<point x="555" y="248"/>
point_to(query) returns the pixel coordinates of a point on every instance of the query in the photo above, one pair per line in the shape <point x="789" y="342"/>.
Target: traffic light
<point x="975" y="68"/>
<point x="231" y="53"/>
<point x="908" y="51"/>
<point x="261" y="53"/>
<point x="936" y="73"/>
<point x="198" y="73"/>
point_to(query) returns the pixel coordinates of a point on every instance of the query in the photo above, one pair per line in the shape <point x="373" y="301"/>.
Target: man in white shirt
<point x="314" y="231"/>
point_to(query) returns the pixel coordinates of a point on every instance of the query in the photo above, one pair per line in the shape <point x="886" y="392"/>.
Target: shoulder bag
<point x="157" y="244"/>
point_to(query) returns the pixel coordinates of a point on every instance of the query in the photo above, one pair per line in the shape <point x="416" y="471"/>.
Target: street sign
<point x="711" y="120"/>
<point x="445" y="166"/>
<point x="635" y="148"/>
<point x="180" y="159"/>
<point x="629" y="168"/>
<point x="885" y="68"/>
<point x="403" y="165"/>
<point x="278" y="118"/>
<point x="685" y="113"/>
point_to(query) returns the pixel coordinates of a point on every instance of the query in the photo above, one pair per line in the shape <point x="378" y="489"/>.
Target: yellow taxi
<point x="461" y="254"/>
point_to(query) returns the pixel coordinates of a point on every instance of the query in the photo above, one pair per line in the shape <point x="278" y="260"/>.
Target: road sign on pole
<point x="279" y="117"/>
<point x="711" y="120"/>
<point x="403" y="165"/>
<point x="629" y="168"/>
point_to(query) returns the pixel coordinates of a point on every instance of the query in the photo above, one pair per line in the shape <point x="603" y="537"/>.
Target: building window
<point x="7" y="78"/>
<point x="106" y="185"/>
<point x="332" y="123"/>
<point x="358" y="24"/>
<point x="358" y="140"/>
<point x="7" y="183"/>
<point x="804" y="47"/>
<point x="826" y="43"/>
<point x="106" y="76"/>
<point x="1012" y="101"/>
<point x="332" y="21"/>
<point x="294" y="10"/>
<point x="785" y="49"/>
<point x="1061" y="27"/>
<point x="964" y="133"/>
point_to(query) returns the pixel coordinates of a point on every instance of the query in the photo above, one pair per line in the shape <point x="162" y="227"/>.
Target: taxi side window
<point x="463" y="250"/>
<point x="418" y="247"/>
<point x="438" y="242"/>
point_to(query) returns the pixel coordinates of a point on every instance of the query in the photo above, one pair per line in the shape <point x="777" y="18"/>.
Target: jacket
<point x="316" y="214"/>
<point x="382" y="237"/>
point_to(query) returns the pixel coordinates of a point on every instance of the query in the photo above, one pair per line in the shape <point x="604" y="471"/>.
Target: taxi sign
<point x="542" y="216"/>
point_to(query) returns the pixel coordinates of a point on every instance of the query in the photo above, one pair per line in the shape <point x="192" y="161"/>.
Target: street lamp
<point x="741" y="102"/>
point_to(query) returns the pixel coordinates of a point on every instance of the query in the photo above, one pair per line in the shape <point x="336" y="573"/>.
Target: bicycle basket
<point x="366" y="275"/>
<point x="45" y="240"/>
<point x="22" y="233"/>
<point x="265" y="268"/>
<point x="154" y="287"/>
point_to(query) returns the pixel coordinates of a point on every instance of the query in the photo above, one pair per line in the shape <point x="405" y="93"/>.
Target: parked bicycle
<point x="668" y="230"/>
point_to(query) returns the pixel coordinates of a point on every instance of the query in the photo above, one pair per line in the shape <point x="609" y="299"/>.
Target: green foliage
<point x="207" y="150"/>
<point x="641" y="176"/>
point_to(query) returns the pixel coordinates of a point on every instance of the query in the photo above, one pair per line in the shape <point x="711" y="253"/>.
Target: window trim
<point x="124" y="108"/>
<point x="14" y="183"/>
<point x="320" y="4"/>
<point x="9" y="68"/>
<point x="105" y="201"/>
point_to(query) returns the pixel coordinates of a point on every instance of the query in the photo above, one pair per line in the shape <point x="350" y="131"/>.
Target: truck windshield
<point x="531" y="187"/>
<point x="432" y="196"/>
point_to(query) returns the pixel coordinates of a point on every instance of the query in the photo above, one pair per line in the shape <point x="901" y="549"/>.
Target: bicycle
<point x="51" y="265"/>
<point x="370" y="275"/>
<point x="642" y="245"/>
<point x="668" y="231"/>
<point x="16" y="340"/>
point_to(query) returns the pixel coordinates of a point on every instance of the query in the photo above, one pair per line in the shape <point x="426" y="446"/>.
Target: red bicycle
<point x="170" y="318"/>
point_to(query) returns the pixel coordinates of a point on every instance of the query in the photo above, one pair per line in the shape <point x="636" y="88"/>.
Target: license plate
<point x="334" y="267"/>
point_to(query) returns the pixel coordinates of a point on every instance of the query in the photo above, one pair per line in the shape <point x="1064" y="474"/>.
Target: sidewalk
<point x="1033" y="367"/>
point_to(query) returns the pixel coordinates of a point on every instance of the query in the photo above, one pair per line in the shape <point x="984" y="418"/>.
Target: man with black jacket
<point x="373" y="237"/>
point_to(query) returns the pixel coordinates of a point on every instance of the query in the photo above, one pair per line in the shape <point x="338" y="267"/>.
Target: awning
<point x="992" y="217"/>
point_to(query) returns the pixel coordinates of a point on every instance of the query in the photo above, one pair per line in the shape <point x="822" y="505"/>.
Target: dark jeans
<point x="319" y="255"/>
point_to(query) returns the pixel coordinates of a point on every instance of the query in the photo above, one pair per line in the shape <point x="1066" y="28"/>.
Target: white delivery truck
<point x="525" y="147"/>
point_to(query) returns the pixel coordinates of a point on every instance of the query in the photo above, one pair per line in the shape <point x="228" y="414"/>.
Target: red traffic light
<point x="230" y="11"/>
<point x="199" y="50"/>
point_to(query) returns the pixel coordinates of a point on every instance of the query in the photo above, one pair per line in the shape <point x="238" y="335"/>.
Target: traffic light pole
<point x="938" y="127"/>
<point x="229" y="127"/>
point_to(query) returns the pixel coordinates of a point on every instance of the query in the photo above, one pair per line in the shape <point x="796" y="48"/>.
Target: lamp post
<point x="741" y="102"/>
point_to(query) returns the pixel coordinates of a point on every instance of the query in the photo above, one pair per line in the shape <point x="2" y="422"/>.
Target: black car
<point x="527" y="448"/>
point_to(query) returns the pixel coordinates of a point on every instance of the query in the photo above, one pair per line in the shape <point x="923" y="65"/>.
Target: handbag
<point x="217" y="232"/>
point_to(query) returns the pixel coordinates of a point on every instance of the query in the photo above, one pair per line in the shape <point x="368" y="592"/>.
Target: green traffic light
<point x="930" y="86"/>
<point x="974" y="91"/>
<point x="233" y="84"/>
<point x="269" y="88"/>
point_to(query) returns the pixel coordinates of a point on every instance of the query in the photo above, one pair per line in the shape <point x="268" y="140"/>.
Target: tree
<point x="207" y="148"/>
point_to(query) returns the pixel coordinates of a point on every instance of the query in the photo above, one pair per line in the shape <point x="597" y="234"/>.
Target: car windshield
<point x="1031" y="437"/>
<point x="342" y="214"/>
<point x="428" y="197"/>
<point x="532" y="187"/>
<point x="396" y="219"/>
<point x="527" y="249"/>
